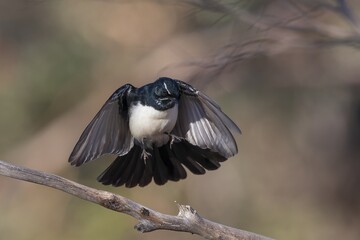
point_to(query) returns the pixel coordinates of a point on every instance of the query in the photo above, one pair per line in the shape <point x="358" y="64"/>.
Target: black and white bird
<point x="155" y="131"/>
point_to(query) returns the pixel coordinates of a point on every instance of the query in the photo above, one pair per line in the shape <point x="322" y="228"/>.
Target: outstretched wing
<point x="202" y="123"/>
<point x="108" y="132"/>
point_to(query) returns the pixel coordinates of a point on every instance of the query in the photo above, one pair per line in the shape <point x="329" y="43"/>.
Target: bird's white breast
<point x="147" y="122"/>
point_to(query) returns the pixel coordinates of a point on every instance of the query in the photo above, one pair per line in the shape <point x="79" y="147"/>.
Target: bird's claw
<point x="174" y="139"/>
<point x="145" y="155"/>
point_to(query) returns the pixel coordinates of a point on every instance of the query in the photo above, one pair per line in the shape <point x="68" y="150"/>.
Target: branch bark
<point x="187" y="220"/>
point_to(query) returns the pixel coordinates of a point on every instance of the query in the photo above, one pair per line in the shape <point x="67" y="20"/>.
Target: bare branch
<point x="187" y="220"/>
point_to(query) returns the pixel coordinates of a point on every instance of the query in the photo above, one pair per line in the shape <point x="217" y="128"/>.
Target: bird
<point x="155" y="131"/>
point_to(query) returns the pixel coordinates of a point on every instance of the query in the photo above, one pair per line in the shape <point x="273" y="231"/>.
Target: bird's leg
<point x="173" y="139"/>
<point x="146" y="145"/>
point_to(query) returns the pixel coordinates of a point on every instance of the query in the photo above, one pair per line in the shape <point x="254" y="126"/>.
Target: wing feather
<point x="202" y="123"/>
<point x="107" y="133"/>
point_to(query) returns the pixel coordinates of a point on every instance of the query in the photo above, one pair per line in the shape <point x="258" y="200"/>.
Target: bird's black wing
<point x="108" y="132"/>
<point x="202" y="123"/>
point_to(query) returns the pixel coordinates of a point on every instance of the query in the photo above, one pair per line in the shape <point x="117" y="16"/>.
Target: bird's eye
<point x="160" y="92"/>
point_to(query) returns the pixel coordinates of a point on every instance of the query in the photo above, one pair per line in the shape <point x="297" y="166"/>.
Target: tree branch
<point x="187" y="220"/>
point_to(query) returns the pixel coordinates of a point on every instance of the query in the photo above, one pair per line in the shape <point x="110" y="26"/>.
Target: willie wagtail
<point x="155" y="131"/>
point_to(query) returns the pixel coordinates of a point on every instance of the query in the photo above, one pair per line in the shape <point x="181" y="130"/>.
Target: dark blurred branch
<point x="304" y="22"/>
<point x="277" y="27"/>
<point x="343" y="8"/>
<point x="187" y="220"/>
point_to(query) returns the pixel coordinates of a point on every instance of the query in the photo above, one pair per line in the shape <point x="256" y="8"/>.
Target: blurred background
<point x="287" y="72"/>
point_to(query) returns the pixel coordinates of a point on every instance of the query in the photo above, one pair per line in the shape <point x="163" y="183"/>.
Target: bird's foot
<point x="173" y="139"/>
<point x="145" y="155"/>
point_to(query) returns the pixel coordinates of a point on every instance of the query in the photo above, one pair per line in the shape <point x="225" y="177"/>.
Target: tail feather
<point x="119" y="169"/>
<point x="136" y="176"/>
<point x="148" y="172"/>
<point x="130" y="169"/>
<point x="176" y="170"/>
<point x="160" y="170"/>
<point x="207" y="159"/>
<point x="114" y="171"/>
<point x="162" y="164"/>
<point x="186" y="158"/>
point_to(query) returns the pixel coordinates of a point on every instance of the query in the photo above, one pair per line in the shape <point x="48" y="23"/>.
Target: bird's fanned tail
<point x="162" y="164"/>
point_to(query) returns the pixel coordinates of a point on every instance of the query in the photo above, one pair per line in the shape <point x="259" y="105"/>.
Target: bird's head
<point x="166" y="92"/>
